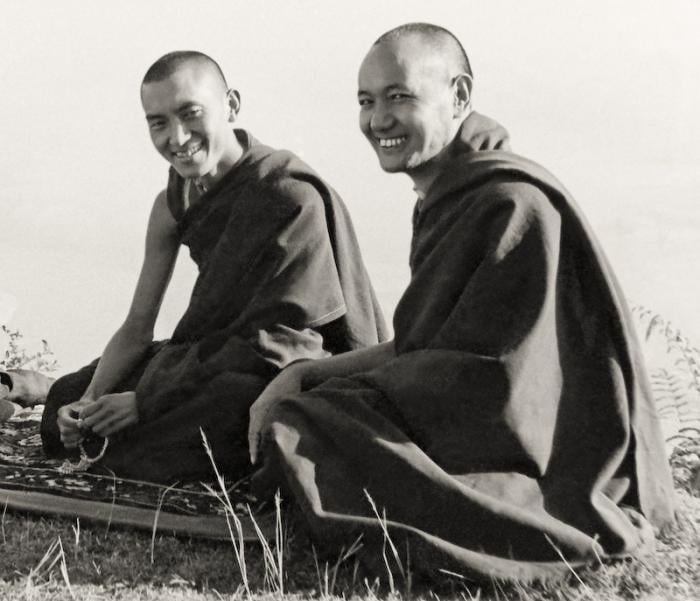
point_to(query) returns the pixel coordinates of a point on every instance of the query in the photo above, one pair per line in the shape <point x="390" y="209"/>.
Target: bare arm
<point x="131" y="340"/>
<point x="307" y="374"/>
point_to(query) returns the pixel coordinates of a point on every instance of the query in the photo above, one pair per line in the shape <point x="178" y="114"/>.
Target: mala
<point x="85" y="461"/>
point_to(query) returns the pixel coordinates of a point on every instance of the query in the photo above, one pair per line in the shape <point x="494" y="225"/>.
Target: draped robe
<point x="280" y="279"/>
<point x="516" y="424"/>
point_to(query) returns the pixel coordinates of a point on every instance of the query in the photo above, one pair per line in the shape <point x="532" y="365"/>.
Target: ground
<point x="50" y="558"/>
<point x="46" y="559"/>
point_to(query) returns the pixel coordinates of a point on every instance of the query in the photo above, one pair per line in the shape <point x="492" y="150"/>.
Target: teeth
<point x="184" y="154"/>
<point x="391" y="142"/>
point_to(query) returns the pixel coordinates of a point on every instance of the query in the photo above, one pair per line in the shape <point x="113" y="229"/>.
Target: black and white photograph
<point x="373" y="300"/>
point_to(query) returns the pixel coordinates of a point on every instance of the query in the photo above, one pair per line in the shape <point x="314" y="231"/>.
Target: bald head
<point x="169" y="63"/>
<point x="437" y="39"/>
<point x="414" y="91"/>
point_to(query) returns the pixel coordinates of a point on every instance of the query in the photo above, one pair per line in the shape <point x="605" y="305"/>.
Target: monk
<point x="280" y="280"/>
<point x="508" y="429"/>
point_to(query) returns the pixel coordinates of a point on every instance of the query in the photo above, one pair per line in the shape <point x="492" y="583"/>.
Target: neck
<point x="424" y="175"/>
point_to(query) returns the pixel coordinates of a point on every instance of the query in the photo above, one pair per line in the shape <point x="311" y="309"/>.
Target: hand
<point x="110" y="413"/>
<point x="69" y="425"/>
<point x="286" y="383"/>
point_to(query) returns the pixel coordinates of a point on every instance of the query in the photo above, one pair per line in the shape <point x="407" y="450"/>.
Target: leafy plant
<point x="16" y="355"/>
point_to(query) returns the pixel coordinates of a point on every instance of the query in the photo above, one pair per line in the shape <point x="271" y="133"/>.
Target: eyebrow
<point x="384" y="89"/>
<point x="182" y="107"/>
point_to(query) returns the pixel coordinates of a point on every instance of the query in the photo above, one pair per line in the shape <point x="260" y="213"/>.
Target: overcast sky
<point x="604" y="94"/>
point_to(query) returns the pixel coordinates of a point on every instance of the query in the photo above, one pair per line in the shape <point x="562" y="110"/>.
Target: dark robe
<point x="516" y="422"/>
<point x="280" y="279"/>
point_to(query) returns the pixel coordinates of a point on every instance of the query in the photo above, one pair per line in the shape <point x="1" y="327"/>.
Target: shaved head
<point x="414" y="91"/>
<point x="438" y="39"/>
<point x="169" y="63"/>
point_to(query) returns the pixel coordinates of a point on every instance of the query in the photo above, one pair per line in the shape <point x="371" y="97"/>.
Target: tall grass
<point x="232" y="520"/>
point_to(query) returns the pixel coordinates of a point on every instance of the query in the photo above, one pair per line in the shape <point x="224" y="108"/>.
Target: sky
<point x="604" y="94"/>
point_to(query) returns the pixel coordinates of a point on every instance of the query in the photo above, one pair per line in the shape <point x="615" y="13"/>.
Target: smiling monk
<point x="508" y="431"/>
<point x="280" y="279"/>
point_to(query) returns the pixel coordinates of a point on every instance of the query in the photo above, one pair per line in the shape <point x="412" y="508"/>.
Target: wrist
<point x="297" y="370"/>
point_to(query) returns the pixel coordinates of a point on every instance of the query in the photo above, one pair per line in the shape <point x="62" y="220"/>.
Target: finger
<point x="101" y="426"/>
<point x="67" y="422"/>
<point x="98" y="415"/>
<point x="68" y="427"/>
<point x="70" y="441"/>
<point x="90" y="409"/>
<point x="113" y="422"/>
<point x="67" y="412"/>
<point x="115" y="426"/>
<point x="253" y="438"/>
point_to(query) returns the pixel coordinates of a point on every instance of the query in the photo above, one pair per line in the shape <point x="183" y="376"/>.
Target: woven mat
<point x="30" y="482"/>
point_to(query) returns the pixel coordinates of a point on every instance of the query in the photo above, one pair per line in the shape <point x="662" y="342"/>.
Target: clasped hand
<point x="107" y="415"/>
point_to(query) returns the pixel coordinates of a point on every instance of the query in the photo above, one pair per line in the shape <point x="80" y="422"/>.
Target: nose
<point x="179" y="134"/>
<point x="381" y="118"/>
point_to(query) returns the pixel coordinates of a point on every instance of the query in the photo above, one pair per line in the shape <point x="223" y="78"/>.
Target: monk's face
<point x="406" y="104"/>
<point x="189" y="120"/>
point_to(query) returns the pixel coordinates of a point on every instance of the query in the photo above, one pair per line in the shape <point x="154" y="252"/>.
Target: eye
<point x="192" y="113"/>
<point x="398" y="96"/>
<point x="156" y="124"/>
<point x="364" y="101"/>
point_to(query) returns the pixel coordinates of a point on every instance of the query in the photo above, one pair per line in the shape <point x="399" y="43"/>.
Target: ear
<point x="234" y="102"/>
<point x="462" y="86"/>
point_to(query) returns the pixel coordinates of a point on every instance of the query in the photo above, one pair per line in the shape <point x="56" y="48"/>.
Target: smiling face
<point x="407" y="105"/>
<point x="189" y="115"/>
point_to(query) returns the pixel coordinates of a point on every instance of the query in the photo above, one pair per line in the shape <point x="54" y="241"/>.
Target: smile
<point x="391" y="142"/>
<point x="188" y="152"/>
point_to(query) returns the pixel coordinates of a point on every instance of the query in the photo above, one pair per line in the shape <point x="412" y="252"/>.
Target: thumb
<point x="88" y="410"/>
<point x="253" y="439"/>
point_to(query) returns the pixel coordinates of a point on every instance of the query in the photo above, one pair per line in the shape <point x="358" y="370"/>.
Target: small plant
<point x="16" y="355"/>
<point x="676" y="385"/>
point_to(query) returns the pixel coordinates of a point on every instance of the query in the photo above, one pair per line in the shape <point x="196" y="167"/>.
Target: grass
<point x="54" y="558"/>
<point x="50" y="558"/>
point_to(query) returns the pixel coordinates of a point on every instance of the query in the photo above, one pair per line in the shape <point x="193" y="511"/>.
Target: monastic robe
<point x="516" y="424"/>
<point x="280" y="279"/>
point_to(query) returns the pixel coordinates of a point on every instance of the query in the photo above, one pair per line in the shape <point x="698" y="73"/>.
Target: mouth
<point x="188" y="153"/>
<point x="391" y="143"/>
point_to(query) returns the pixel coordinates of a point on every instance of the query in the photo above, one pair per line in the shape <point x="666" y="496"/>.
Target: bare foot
<point x="24" y="386"/>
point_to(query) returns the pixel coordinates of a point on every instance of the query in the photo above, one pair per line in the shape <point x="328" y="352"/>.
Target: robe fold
<point x="516" y="422"/>
<point x="280" y="279"/>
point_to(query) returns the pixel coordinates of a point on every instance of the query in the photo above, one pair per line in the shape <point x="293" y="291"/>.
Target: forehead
<point x="190" y="83"/>
<point x="407" y="62"/>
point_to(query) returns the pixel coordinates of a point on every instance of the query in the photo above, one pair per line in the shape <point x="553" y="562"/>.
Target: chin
<point x="393" y="169"/>
<point x="392" y="166"/>
<point x="189" y="171"/>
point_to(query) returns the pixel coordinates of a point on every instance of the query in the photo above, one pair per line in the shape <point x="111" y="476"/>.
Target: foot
<point x="24" y="386"/>
<point x="7" y="409"/>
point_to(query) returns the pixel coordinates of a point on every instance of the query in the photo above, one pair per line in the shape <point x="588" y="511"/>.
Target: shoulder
<point x="519" y="196"/>
<point x="291" y="181"/>
<point x="515" y="201"/>
<point x="162" y="223"/>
